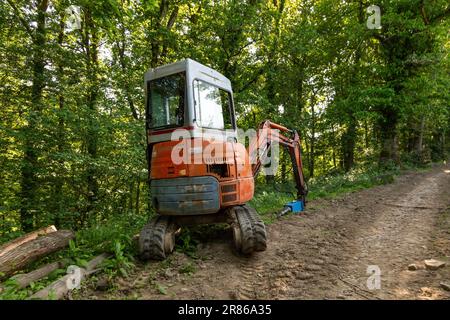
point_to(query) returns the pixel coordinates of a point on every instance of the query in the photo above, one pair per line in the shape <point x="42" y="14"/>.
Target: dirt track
<point x="321" y="254"/>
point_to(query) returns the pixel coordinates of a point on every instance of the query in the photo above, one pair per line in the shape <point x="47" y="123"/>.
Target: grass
<point x="103" y="235"/>
<point x="189" y="268"/>
<point x="186" y="243"/>
<point x="160" y="288"/>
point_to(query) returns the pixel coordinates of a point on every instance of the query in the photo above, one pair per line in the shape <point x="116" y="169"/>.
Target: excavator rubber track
<point x="249" y="232"/>
<point x="157" y="238"/>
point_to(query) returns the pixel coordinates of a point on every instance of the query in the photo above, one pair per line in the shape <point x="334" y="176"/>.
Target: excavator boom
<point x="268" y="133"/>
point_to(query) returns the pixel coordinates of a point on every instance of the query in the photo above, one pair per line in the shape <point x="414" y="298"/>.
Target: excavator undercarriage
<point x="157" y="238"/>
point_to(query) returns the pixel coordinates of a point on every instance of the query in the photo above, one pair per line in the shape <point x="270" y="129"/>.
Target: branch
<point x="173" y="17"/>
<point x="252" y="80"/>
<point x="423" y="13"/>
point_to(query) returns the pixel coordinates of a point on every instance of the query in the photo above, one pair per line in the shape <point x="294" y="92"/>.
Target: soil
<point x="334" y="250"/>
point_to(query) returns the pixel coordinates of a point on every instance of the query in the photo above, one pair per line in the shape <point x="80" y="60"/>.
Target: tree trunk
<point x="313" y="140"/>
<point x="348" y="144"/>
<point x="11" y="245"/>
<point x="349" y="136"/>
<point x="92" y="69"/>
<point x="419" y="142"/>
<point x="283" y="166"/>
<point x="28" y="184"/>
<point x="58" y="186"/>
<point x="388" y="133"/>
<point x="307" y="153"/>
<point x="333" y="146"/>
<point x="366" y="134"/>
<point x="130" y="202"/>
<point x="30" y="251"/>
<point x="120" y="44"/>
<point x="138" y="194"/>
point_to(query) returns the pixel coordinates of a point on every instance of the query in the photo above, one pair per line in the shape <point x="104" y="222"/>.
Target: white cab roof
<point x="193" y="69"/>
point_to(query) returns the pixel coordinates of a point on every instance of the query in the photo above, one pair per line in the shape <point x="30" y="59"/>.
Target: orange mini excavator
<point x="199" y="172"/>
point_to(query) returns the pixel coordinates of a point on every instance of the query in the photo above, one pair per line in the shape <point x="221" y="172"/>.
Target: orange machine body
<point x="215" y="171"/>
<point x="227" y="162"/>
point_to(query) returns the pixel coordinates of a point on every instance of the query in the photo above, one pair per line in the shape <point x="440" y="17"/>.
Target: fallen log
<point x="17" y="258"/>
<point x="23" y="280"/>
<point x="61" y="287"/>
<point x="8" y="246"/>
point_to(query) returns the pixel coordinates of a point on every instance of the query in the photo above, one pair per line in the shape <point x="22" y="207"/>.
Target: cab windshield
<point x="212" y="106"/>
<point x="166" y="100"/>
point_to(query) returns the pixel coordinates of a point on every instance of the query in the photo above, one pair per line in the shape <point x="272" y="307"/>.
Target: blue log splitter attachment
<point x="296" y="207"/>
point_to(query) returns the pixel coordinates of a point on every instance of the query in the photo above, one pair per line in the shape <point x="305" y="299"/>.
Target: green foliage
<point x="354" y="180"/>
<point x="186" y="243"/>
<point x="269" y="201"/>
<point x="101" y="237"/>
<point x="12" y="293"/>
<point x="121" y="263"/>
<point x="189" y="268"/>
<point x="161" y="289"/>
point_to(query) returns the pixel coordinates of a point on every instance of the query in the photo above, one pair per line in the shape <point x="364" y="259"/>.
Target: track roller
<point x="249" y="232"/>
<point x="157" y="238"/>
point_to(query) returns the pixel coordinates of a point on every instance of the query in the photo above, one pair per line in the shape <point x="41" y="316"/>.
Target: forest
<point x="364" y="98"/>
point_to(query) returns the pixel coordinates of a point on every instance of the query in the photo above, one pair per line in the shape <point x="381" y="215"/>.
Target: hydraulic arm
<point x="268" y="133"/>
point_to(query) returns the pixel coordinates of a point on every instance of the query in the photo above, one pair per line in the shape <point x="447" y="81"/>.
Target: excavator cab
<point x="199" y="173"/>
<point x="188" y="95"/>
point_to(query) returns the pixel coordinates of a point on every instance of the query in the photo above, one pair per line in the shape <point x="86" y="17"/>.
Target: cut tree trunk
<point x="6" y="247"/>
<point x="61" y="287"/>
<point x="19" y="257"/>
